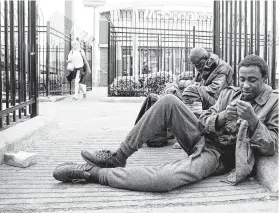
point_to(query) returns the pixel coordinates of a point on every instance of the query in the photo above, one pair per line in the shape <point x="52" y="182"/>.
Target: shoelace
<point x="103" y="155"/>
<point x="78" y="171"/>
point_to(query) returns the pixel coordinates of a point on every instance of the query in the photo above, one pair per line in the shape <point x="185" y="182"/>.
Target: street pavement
<point x="102" y="123"/>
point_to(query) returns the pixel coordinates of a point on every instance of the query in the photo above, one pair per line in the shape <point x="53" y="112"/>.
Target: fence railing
<point x="246" y="27"/>
<point x="18" y="57"/>
<point x="148" y="48"/>
<point x="32" y="60"/>
<point x="53" y="50"/>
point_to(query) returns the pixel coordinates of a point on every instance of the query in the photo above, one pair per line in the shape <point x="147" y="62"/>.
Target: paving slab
<point x="93" y="125"/>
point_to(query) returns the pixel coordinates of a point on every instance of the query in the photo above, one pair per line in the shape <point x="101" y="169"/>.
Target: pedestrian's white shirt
<point x="76" y="58"/>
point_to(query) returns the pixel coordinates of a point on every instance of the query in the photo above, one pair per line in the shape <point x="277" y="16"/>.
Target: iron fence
<point x="53" y="50"/>
<point x="18" y="73"/>
<point x="148" y="47"/>
<point x="33" y="58"/>
<point x="246" y="27"/>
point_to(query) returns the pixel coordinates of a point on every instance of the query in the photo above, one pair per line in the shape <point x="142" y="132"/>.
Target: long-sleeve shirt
<point x="265" y="105"/>
<point x="215" y="76"/>
<point x="239" y="146"/>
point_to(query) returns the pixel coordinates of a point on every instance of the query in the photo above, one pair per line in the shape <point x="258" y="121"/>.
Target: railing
<point x="246" y="27"/>
<point x="54" y="47"/>
<point x="18" y="73"/>
<point x="148" y="47"/>
<point x="32" y="60"/>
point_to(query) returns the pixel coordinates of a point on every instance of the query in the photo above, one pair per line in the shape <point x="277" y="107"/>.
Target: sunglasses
<point x="197" y="64"/>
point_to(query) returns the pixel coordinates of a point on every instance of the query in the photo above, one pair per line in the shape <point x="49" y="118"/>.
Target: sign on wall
<point x="93" y="3"/>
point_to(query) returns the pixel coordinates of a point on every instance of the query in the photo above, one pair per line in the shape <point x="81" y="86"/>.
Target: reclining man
<point x="212" y="77"/>
<point x="213" y="148"/>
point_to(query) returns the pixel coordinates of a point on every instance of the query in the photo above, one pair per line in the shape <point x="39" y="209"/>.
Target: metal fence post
<point x="273" y="63"/>
<point x="1" y="83"/>
<point x="109" y="59"/>
<point x="33" y="57"/>
<point x="12" y="58"/>
<point x="6" y="40"/>
<point x="47" y="57"/>
<point x="194" y="44"/>
<point x="66" y="66"/>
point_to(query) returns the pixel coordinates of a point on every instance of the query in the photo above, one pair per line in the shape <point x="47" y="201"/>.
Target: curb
<point x="23" y="134"/>
<point x="123" y="99"/>
<point x="267" y="172"/>
<point x="51" y="98"/>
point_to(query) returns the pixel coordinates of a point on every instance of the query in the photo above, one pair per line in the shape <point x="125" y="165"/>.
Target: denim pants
<point x="167" y="112"/>
<point x="197" y="93"/>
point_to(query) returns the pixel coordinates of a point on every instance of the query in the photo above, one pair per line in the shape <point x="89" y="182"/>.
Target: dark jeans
<point x="167" y="112"/>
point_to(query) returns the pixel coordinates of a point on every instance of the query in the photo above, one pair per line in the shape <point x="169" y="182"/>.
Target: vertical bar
<point x="239" y="38"/>
<point x="56" y="60"/>
<point x="215" y="11"/>
<point x="273" y="63"/>
<point x="158" y="55"/>
<point x="258" y="27"/>
<point x="1" y="83"/>
<point x="20" y="48"/>
<point x="194" y="44"/>
<point x="245" y="29"/>
<point x="47" y="58"/>
<point x="109" y="94"/>
<point x="29" y="57"/>
<point x="48" y="52"/>
<point x="33" y="57"/>
<point x="186" y="48"/>
<point x="24" y="57"/>
<point x="265" y="30"/>
<point x="12" y="58"/>
<point x="158" y="45"/>
<point x="6" y="23"/>
<point x="251" y="27"/>
<point x="226" y="31"/>
<point x="223" y="27"/>
<point x="216" y="41"/>
<point x="231" y="29"/>
<point x="168" y="45"/>
<point x="235" y="44"/>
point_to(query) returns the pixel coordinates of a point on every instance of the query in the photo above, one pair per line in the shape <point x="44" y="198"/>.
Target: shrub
<point x="156" y="82"/>
<point x="140" y="85"/>
<point x="124" y="86"/>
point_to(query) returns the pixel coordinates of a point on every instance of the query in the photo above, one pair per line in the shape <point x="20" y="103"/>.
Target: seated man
<point x="213" y="76"/>
<point x="213" y="148"/>
<point x="160" y="140"/>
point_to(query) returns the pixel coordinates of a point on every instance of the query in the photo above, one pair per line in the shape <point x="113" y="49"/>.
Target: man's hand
<point x="231" y="111"/>
<point x="246" y="112"/>
<point x="228" y="114"/>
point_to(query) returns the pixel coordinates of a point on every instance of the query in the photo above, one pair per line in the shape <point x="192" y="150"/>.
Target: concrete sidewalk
<point x="96" y="124"/>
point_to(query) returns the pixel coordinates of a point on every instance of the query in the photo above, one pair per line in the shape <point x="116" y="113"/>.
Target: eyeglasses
<point x="197" y="64"/>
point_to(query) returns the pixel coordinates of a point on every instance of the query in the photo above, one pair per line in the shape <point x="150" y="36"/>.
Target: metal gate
<point x="246" y="27"/>
<point x="18" y="57"/>
<point x="148" y="48"/>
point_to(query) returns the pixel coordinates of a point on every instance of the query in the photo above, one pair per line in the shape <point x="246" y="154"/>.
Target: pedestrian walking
<point x="78" y="67"/>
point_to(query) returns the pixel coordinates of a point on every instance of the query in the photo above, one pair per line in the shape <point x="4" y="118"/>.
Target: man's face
<point x="251" y="82"/>
<point x="199" y="62"/>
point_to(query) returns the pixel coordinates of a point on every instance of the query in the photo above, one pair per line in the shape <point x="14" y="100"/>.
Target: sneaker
<point x="74" y="99"/>
<point x="84" y="96"/>
<point x="103" y="159"/>
<point x="71" y="172"/>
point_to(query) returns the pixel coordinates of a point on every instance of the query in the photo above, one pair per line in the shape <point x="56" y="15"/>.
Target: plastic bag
<point x="70" y="66"/>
